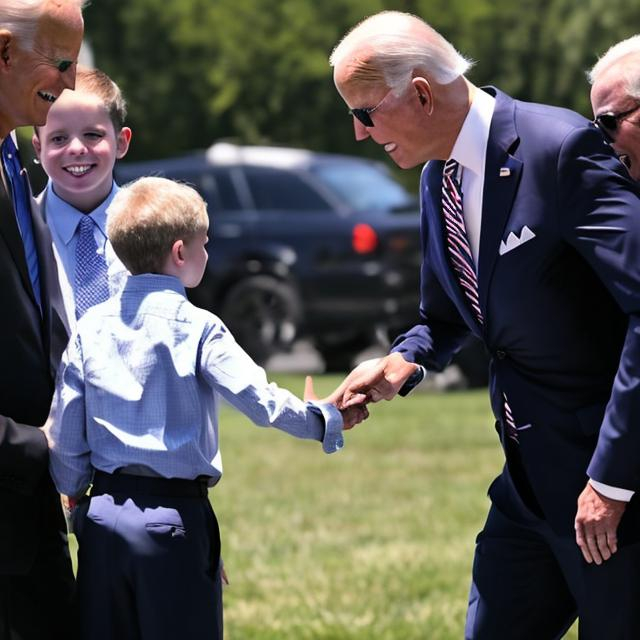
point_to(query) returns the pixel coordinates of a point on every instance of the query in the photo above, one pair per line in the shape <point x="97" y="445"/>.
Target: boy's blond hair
<point x="147" y="216"/>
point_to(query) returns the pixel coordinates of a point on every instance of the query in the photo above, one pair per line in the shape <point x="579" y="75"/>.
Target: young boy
<point x="136" y="409"/>
<point x="78" y="147"/>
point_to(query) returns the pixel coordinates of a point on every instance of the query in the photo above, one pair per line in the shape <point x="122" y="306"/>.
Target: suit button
<point x="500" y="354"/>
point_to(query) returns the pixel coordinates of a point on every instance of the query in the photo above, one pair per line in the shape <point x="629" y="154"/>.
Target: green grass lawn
<point x="372" y="543"/>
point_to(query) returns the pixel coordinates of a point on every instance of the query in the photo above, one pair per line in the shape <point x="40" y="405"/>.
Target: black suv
<point x="302" y="243"/>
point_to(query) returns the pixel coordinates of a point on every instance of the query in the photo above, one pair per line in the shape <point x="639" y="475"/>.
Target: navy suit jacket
<point x="561" y="307"/>
<point x="31" y="344"/>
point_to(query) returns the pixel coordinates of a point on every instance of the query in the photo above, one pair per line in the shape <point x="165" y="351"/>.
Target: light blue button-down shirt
<point x="63" y="220"/>
<point x="140" y="384"/>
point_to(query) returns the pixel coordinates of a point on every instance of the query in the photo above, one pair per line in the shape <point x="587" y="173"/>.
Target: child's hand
<point x="354" y="415"/>
<point x="351" y="416"/>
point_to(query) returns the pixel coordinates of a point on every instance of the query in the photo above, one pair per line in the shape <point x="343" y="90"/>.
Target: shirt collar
<point x="66" y="218"/>
<point x="471" y="144"/>
<point x="149" y="282"/>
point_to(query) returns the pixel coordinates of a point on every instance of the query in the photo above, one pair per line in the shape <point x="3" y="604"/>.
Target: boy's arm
<point x="69" y="455"/>
<point x="228" y="369"/>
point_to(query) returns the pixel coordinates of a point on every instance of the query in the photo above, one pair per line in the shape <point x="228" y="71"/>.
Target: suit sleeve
<point x="23" y="456"/>
<point x="441" y="331"/>
<point x="600" y="208"/>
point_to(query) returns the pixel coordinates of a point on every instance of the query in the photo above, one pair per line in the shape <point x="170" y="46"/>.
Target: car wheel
<point x="263" y="314"/>
<point x="339" y="356"/>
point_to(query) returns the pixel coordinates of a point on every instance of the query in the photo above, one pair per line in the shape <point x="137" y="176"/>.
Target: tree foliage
<point x="195" y="71"/>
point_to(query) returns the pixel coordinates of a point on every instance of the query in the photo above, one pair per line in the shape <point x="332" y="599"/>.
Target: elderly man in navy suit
<point x="615" y="98"/>
<point x="39" y="44"/>
<point x="531" y="241"/>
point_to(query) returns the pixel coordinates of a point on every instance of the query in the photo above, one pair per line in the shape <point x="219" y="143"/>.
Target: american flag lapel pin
<point x="505" y="172"/>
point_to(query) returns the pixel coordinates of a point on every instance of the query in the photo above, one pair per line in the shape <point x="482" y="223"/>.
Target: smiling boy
<point x="78" y="146"/>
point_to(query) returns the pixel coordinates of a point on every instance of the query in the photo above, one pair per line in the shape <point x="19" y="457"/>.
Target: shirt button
<point x="500" y="354"/>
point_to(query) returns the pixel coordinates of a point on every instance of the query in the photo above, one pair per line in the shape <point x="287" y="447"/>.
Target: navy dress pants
<point x="530" y="583"/>
<point x="148" y="565"/>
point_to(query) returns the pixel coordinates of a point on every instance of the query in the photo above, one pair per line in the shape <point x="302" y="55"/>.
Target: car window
<point x="364" y="187"/>
<point x="217" y="188"/>
<point x="276" y="189"/>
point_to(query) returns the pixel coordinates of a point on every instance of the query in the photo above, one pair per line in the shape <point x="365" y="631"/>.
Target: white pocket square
<point x="514" y="241"/>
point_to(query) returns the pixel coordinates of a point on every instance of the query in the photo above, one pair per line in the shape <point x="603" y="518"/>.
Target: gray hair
<point x="629" y="48"/>
<point x="21" y="18"/>
<point x="384" y="47"/>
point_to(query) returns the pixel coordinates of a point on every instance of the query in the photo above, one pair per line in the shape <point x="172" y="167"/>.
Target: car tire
<point x="264" y="315"/>
<point x="339" y="356"/>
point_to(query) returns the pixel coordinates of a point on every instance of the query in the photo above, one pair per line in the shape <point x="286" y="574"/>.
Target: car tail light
<point x="364" y="239"/>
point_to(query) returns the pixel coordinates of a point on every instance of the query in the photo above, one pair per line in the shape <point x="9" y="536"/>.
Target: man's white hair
<point x="626" y="52"/>
<point x="389" y="46"/>
<point x="21" y="18"/>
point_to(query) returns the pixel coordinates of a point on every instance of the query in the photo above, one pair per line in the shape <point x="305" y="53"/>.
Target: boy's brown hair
<point x="147" y="216"/>
<point x="97" y="83"/>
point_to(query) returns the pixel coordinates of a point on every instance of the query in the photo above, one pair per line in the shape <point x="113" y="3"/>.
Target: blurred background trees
<point x="195" y="71"/>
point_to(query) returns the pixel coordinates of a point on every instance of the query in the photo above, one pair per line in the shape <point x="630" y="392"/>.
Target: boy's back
<point x="135" y="410"/>
<point x="147" y="366"/>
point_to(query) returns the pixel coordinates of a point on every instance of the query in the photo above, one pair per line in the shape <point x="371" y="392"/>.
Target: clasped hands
<point x="371" y="381"/>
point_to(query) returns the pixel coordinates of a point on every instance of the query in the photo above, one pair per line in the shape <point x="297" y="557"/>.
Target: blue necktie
<point x="91" y="285"/>
<point x="20" y="197"/>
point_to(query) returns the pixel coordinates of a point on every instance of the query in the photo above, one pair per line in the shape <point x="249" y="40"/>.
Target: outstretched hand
<point x="351" y="416"/>
<point x="374" y="380"/>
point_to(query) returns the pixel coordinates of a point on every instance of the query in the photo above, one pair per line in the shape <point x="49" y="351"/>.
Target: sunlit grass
<point x="372" y="543"/>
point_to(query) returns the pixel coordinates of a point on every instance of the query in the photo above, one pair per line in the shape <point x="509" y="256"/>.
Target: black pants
<point x="148" y="565"/>
<point x="38" y="605"/>
<point x="530" y="584"/>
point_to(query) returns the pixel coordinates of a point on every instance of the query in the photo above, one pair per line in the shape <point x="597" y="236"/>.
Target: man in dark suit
<point x="615" y="98"/>
<point x="39" y="45"/>
<point x="531" y="241"/>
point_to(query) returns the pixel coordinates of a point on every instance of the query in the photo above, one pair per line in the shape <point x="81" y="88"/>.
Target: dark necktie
<point x="91" y="285"/>
<point x="461" y="258"/>
<point x="20" y="197"/>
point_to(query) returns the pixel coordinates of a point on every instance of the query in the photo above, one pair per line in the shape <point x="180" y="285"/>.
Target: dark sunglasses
<point x="62" y="65"/>
<point x="59" y="63"/>
<point x="363" y="115"/>
<point x="608" y="122"/>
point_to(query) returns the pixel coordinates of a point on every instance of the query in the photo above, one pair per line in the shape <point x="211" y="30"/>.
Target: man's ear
<point x="424" y="93"/>
<point x="122" y="143"/>
<point x="6" y="42"/>
<point x="37" y="146"/>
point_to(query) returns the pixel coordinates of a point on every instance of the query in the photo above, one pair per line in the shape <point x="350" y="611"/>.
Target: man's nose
<point x="69" y="77"/>
<point x="360" y="131"/>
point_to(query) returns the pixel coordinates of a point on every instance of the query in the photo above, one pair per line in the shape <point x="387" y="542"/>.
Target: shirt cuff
<point x="333" y="439"/>
<point x="614" y="493"/>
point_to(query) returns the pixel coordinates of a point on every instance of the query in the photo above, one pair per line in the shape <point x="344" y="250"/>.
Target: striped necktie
<point x="461" y="258"/>
<point x="458" y="246"/>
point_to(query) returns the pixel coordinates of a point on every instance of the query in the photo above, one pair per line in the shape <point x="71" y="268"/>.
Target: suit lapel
<point x="432" y="199"/>
<point x="502" y="176"/>
<point x="56" y="325"/>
